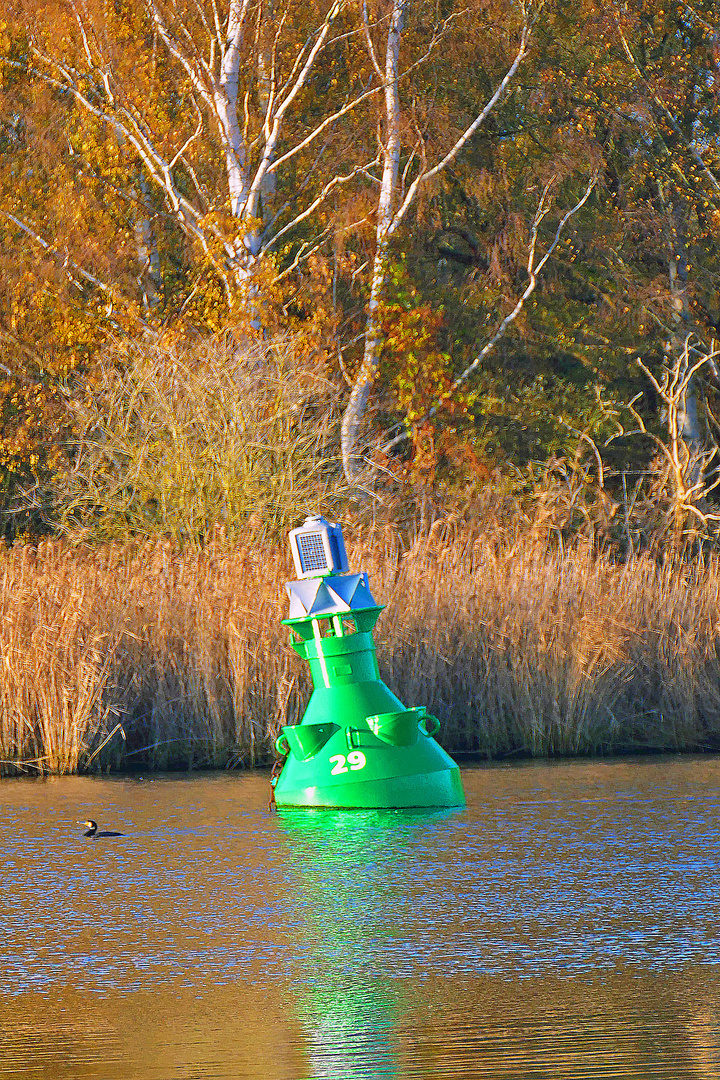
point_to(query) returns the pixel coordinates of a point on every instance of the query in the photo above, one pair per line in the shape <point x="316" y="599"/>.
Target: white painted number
<point x="355" y="759"/>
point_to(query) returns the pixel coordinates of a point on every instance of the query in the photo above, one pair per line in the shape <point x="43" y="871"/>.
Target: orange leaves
<point x="420" y="372"/>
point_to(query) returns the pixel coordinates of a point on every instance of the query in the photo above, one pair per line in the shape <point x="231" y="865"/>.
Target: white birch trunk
<point x="226" y="92"/>
<point x="150" y="276"/>
<point x="390" y="217"/>
<point x="678" y="274"/>
<point x="360" y="394"/>
<point x="215" y="48"/>
<point x="687" y="420"/>
<point x="265" y="88"/>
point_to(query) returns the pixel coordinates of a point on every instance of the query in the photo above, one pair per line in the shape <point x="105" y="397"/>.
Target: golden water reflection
<point x="472" y="1029"/>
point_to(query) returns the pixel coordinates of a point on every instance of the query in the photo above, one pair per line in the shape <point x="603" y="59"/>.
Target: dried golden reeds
<point x="180" y="657"/>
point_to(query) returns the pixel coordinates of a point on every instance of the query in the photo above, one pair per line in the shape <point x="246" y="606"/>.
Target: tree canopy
<point x="487" y="222"/>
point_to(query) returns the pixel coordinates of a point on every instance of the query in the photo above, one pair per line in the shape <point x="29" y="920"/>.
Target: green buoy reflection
<point x="352" y="873"/>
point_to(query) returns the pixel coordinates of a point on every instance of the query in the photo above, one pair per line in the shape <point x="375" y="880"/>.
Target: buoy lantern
<point x="357" y="744"/>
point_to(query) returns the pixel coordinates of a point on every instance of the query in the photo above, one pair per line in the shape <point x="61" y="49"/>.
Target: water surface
<point x="566" y="925"/>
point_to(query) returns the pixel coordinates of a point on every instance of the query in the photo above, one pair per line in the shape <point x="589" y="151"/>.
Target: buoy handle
<point x="281" y="744"/>
<point x="429" y="725"/>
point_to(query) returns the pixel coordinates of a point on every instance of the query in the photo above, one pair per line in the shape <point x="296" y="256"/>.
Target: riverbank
<point x="519" y="649"/>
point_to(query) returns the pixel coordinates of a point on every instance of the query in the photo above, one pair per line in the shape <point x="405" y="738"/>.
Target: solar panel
<point x="312" y="551"/>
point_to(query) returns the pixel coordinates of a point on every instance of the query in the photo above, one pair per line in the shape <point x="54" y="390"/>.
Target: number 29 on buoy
<point x="355" y="760"/>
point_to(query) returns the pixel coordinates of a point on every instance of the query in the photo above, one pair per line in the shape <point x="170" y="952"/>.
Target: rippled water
<point x="566" y="925"/>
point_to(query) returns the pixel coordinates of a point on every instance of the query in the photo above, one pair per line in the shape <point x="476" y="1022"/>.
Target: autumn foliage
<point x="178" y="177"/>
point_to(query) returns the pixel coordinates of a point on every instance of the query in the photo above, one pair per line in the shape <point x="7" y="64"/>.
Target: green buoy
<point x="357" y="744"/>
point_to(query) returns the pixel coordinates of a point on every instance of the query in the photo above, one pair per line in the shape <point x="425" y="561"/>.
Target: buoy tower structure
<point x="357" y="744"/>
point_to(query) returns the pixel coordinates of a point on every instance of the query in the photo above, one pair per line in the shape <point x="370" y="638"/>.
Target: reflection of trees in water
<point x="703" y="1033"/>
<point x="166" y="1031"/>
<point x="54" y="1045"/>
<point x="624" y="1026"/>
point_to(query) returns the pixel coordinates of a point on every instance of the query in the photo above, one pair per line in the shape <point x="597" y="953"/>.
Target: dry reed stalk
<point x="518" y="649"/>
<point x="546" y="654"/>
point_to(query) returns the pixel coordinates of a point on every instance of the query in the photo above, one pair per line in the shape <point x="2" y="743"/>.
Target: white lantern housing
<point x="318" y="548"/>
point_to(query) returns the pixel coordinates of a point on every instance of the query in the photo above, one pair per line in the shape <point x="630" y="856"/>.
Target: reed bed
<point x="150" y="656"/>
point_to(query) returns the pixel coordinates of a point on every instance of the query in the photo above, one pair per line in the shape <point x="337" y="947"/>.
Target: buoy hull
<point x="358" y="745"/>
<point x="350" y="765"/>
<point x="439" y="790"/>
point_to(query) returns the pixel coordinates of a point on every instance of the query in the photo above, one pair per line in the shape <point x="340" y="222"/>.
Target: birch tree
<point x="680" y="123"/>
<point x="397" y="194"/>
<point x="244" y="72"/>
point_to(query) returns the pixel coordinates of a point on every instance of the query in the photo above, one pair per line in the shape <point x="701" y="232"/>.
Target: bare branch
<point x="326" y="191"/>
<point x="64" y="260"/>
<point x="175" y="49"/>
<point x="302" y="78"/>
<point x="691" y="149"/>
<point x="332" y="119"/>
<point x="188" y="142"/>
<point x="428" y="174"/>
<point x="533" y="272"/>
<point x="370" y="46"/>
<point x="309" y="248"/>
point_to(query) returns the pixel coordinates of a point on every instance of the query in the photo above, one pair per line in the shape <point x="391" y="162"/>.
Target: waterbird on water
<point x="91" y="829"/>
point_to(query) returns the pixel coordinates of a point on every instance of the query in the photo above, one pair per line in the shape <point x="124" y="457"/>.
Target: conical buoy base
<point x="357" y="745"/>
